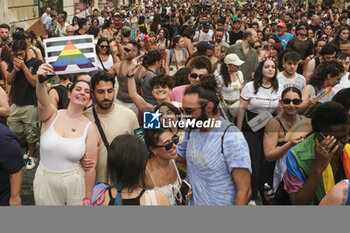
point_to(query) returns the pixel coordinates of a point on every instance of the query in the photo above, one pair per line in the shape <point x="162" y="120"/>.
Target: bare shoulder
<point x="272" y="125"/>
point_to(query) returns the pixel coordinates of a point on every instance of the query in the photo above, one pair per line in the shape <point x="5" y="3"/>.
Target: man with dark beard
<point x="246" y="52"/>
<point x="115" y="119"/>
<point x="217" y="155"/>
<point x="119" y="70"/>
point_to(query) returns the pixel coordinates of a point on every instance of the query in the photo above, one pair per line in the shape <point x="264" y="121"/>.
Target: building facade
<point x="24" y="13"/>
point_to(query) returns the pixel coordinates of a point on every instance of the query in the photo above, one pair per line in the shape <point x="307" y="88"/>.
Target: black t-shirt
<point x="11" y="161"/>
<point x="235" y="36"/>
<point x="314" y="28"/>
<point x="22" y="92"/>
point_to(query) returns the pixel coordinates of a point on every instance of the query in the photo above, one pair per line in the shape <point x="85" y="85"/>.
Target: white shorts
<point x="59" y="187"/>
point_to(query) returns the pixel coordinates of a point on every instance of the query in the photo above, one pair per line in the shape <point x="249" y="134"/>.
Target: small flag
<point x="323" y="93"/>
<point x="72" y="54"/>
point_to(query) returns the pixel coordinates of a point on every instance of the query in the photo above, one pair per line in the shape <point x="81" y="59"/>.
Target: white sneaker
<point x="252" y="203"/>
<point x="31" y="163"/>
<point x="25" y="156"/>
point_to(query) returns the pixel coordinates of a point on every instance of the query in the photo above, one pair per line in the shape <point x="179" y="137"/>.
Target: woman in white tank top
<point x="161" y="172"/>
<point x="66" y="137"/>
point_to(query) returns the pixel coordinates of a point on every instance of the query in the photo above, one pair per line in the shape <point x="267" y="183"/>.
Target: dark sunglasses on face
<point x="194" y="75"/>
<point x="104" y="46"/>
<point x="191" y="110"/>
<point x="324" y="37"/>
<point x="127" y="49"/>
<point x="294" y="101"/>
<point x="168" y="146"/>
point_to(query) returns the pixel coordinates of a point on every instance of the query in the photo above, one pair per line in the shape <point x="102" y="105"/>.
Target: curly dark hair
<point x="258" y="76"/>
<point x="320" y="75"/>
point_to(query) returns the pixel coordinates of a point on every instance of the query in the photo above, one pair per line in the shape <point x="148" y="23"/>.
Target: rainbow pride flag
<point x="73" y="54"/>
<point x="301" y="159"/>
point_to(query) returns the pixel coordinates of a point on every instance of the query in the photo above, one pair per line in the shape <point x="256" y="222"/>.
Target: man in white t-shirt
<point x="205" y="34"/>
<point x="289" y="77"/>
<point x="115" y="119"/>
<point x="343" y="58"/>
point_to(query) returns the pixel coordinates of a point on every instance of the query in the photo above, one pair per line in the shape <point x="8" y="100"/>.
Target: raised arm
<point x="134" y="96"/>
<point x="323" y="156"/>
<point x="45" y="108"/>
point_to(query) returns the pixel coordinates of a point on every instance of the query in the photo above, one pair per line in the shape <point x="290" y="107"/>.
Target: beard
<point x="105" y="104"/>
<point x="203" y="117"/>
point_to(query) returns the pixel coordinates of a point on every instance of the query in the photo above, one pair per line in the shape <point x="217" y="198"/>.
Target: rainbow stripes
<point x="72" y="54"/>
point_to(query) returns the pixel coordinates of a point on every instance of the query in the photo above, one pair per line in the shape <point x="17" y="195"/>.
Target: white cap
<point x="233" y="59"/>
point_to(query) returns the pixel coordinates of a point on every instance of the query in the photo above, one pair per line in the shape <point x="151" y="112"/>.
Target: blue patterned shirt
<point x="208" y="170"/>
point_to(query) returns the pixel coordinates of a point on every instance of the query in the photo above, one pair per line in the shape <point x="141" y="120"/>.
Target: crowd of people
<point x="266" y="85"/>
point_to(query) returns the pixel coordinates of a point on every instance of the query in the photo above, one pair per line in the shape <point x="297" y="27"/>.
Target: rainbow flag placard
<point x="71" y="54"/>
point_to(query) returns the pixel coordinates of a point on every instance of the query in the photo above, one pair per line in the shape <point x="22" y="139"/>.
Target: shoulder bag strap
<point x="98" y="124"/>
<point x="101" y="62"/>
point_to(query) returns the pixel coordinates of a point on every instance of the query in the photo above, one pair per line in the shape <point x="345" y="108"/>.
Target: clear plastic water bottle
<point x="269" y="193"/>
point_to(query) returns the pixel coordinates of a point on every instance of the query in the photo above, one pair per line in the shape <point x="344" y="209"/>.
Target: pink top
<point x="178" y="93"/>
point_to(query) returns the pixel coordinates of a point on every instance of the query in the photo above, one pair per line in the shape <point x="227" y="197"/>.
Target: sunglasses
<point x="189" y="111"/>
<point x="295" y="101"/>
<point x="104" y="46"/>
<point x="324" y="38"/>
<point x="127" y="49"/>
<point x="344" y="140"/>
<point x="168" y="146"/>
<point x="194" y="75"/>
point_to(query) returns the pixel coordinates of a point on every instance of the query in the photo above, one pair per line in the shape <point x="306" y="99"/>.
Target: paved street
<point x="27" y="184"/>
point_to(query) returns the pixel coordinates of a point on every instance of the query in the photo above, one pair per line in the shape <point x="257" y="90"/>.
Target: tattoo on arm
<point x="345" y="196"/>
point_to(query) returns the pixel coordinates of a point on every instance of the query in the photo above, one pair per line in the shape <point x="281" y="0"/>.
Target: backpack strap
<point x="223" y="136"/>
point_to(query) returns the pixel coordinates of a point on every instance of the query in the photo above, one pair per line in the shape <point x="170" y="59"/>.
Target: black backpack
<point x="63" y="99"/>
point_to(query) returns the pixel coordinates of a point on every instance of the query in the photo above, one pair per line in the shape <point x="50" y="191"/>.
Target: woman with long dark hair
<point x="105" y="57"/>
<point x="260" y="96"/>
<point x="327" y="74"/>
<point x="66" y="137"/>
<point x="342" y="34"/>
<point x="276" y="143"/>
<point x="126" y="161"/>
<point x="231" y="83"/>
<point x="176" y="58"/>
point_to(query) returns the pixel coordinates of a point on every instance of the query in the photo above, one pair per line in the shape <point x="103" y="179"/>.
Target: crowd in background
<point x="275" y="75"/>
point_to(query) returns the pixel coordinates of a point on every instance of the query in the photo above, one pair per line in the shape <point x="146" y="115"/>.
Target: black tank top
<point x="317" y="61"/>
<point x="131" y="201"/>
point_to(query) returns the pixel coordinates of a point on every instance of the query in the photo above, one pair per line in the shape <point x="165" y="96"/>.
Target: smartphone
<point x="185" y="188"/>
<point x="139" y="132"/>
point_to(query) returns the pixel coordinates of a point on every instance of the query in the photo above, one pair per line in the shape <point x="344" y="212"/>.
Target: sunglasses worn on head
<point x="295" y="101"/>
<point x="194" y="75"/>
<point x="168" y="146"/>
